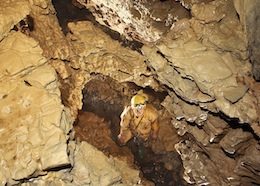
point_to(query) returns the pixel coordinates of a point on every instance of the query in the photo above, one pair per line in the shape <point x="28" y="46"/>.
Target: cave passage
<point x="98" y="124"/>
<point x="69" y="12"/>
<point x="104" y="100"/>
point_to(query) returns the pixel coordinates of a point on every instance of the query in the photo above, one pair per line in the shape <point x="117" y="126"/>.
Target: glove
<point x="154" y="135"/>
<point x="121" y="138"/>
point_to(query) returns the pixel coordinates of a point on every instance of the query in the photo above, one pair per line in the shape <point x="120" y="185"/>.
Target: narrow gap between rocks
<point x="69" y="12"/>
<point x="98" y="124"/>
<point x="103" y="102"/>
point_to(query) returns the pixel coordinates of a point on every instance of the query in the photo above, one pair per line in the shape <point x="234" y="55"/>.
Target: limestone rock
<point x="103" y="55"/>
<point x="248" y="165"/>
<point x="10" y="16"/>
<point x="143" y="21"/>
<point x="130" y="176"/>
<point x="101" y="169"/>
<point x="208" y="12"/>
<point x="172" y="77"/>
<point x="220" y="28"/>
<point x="249" y="12"/>
<point x="93" y="167"/>
<point x="245" y="109"/>
<point x="200" y="168"/>
<point x="47" y="30"/>
<point x="214" y="127"/>
<point x="32" y="116"/>
<point x="199" y="74"/>
<point x="234" y="94"/>
<point x="55" y="152"/>
<point x="201" y="63"/>
<point x="234" y="140"/>
<point x="14" y="55"/>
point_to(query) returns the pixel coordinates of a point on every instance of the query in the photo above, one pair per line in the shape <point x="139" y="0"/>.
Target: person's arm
<point x="155" y="129"/>
<point x="124" y="125"/>
<point x="123" y="132"/>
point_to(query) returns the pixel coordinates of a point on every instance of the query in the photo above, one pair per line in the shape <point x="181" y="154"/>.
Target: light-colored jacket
<point x="141" y="126"/>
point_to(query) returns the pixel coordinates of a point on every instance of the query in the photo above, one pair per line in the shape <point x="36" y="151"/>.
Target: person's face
<point x="138" y="109"/>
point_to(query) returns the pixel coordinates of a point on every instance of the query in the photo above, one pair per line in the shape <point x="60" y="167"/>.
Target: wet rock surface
<point x="197" y="74"/>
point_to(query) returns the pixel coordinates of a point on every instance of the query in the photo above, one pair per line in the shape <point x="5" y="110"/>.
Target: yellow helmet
<point x="138" y="100"/>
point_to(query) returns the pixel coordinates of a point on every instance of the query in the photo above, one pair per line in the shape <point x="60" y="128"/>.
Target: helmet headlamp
<point x="139" y="106"/>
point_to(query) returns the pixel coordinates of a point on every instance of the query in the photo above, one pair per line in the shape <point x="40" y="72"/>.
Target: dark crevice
<point x="56" y="169"/>
<point x="97" y="101"/>
<point x="234" y="123"/>
<point x="68" y="12"/>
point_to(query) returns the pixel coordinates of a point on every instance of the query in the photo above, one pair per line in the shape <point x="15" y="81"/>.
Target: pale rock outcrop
<point x="142" y="21"/>
<point x="201" y="62"/>
<point x="98" y="53"/>
<point x="89" y="167"/>
<point x="35" y="126"/>
<point x="208" y="12"/>
<point x="214" y="128"/>
<point x="221" y="28"/>
<point x="211" y="136"/>
<point x="234" y="139"/>
<point x="184" y="111"/>
<point x="201" y="165"/>
<point x="47" y="30"/>
<point x="38" y="128"/>
<point x="200" y="74"/>
<point x="10" y="16"/>
<point x="93" y="168"/>
<point x="209" y="79"/>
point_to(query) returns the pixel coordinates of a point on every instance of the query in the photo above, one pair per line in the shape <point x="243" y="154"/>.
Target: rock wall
<point x="40" y="127"/>
<point x="199" y="58"/>
<point x="142" y="21"/>
<point x="249" y="12"/>
<point x="37" y="135"/>
<point x="35" y="126"/>
<point x="205" y="62"/>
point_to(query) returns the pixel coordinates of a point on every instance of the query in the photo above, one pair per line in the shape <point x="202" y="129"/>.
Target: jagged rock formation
<point x="37" y="135"/>
<point x="249" y="13"/>
<point x="195" y="51"/>
<point x="144" y="21"/>
<point x="35" y="126"/>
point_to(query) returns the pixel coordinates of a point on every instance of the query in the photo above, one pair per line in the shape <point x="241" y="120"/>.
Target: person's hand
<point x="154" y="135"/>
<point x="121" y="139"/>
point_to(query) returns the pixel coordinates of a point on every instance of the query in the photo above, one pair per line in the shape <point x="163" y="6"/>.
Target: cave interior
<point x="197" y="61"/>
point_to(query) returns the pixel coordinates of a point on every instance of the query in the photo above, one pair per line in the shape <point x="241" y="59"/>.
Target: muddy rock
<point x="64" y="84"/>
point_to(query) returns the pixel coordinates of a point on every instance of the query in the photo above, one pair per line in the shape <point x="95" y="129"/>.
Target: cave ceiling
<point x="201" y="55"/>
